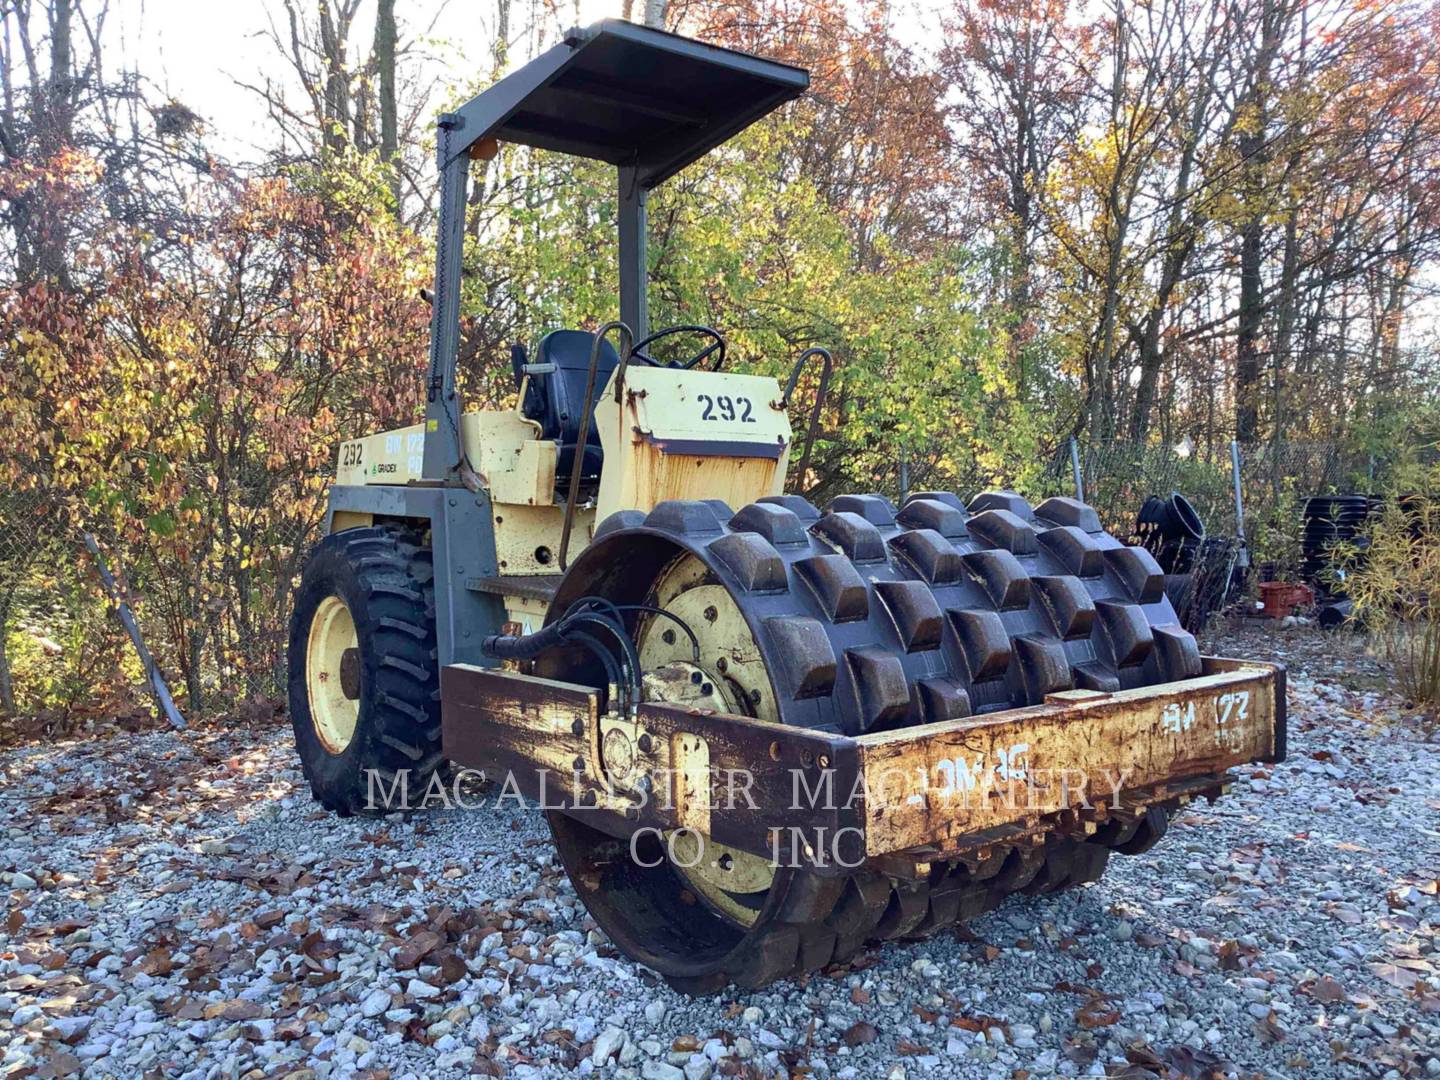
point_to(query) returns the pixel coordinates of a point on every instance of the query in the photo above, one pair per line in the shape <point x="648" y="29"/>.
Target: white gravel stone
<point x="1246" y="908"/>
<point x="607" y="1043"/>
<point x="375" y="1003"/>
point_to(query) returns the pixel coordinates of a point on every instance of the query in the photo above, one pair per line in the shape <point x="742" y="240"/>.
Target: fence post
<point x="1243" y="556"/>
<point x="127" y="617"/>
<point x="904" y="476"/>
<point x="1075" y="469"/>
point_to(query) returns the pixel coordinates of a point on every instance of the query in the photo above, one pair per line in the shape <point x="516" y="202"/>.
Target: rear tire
<point x="374" y="746"/>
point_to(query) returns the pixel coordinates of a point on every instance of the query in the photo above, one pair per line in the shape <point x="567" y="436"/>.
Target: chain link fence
<point x="216" y="622"/>
<point x="1249" y="498"/>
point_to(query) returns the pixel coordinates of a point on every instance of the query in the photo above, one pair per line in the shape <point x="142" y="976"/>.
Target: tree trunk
<point x="56" y="117"/>
<point x="655" y="13"/>
<point x="337" y="78"/>
<point x="1101" y="406"/>
<point x="1247" y="341"/>
<point x="385" y="42"/>
<point x="1281" y="359"/>
<point x="1255" y="157"/>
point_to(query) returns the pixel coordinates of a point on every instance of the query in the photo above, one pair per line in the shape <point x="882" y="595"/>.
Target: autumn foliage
<point x="1012" y="221"/>
<point x="184" y="405"/>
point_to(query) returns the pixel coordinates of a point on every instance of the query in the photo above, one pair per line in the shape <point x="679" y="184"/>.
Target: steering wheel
<point x="717" y="343"/>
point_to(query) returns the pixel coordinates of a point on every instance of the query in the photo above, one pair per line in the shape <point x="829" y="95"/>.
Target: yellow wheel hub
<point x="733" y="678"/>
<point x="332" y="674"/>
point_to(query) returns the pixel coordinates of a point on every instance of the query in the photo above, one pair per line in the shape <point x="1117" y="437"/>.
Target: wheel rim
<point x="732" y="883"/>
<point x="332" y="674"/>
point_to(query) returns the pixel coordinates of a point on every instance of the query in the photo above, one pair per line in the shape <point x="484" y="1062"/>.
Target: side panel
<point x="527" y="538"/>
<point x="934" y="783"/>
<point x="1068" y="765"/>
<point x="732" y="480"/>
<point x="388" y="458"/>
<point x="463" y="546"/>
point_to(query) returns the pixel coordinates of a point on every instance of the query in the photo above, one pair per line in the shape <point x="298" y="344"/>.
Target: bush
<point x="1393" y="584"/>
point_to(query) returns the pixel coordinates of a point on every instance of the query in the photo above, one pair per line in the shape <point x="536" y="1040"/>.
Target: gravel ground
<point x="177" y="906"/>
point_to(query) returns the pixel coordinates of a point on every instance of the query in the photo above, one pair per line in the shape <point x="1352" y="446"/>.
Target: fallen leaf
<point x="452" y="968"/>
<point x="1327" y="990"/>
<point x="1094" y="1014"/>
<point x="419" y="946"/>
<point x="1189" y="1064"/>
<point x="979" y="1023"/>
<point x="233" y="1010"/>
<point x="60" y="1064"/>
<point x="1269" y="1029"/>
<point x="860" y="1033"/>
<point x="859" y="995"/>
<point x="157" y="962"/>
<point x="1395" y="975"/>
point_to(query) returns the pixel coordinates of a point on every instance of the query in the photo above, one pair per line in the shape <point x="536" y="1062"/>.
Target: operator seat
<point x="555" y="399"/>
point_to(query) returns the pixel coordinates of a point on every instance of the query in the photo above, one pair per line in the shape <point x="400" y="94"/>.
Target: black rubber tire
<point x="384" y="574"/>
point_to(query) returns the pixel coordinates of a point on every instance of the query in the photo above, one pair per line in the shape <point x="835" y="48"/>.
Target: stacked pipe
<point x="1171" y="530"/>
<point x="1331" y="521"/>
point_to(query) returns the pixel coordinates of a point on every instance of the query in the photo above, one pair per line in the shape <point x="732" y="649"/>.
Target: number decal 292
<point x="727" y="409"/>
<point x="350" y="454"/>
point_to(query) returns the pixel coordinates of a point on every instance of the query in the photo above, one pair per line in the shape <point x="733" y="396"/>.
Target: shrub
<point x="1394" y="586"/>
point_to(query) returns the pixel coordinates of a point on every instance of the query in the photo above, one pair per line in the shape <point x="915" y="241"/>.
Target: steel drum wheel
<point x="865" y="618"/>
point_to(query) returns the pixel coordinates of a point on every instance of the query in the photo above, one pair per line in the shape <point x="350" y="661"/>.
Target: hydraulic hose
<point x="523" y="646"/>
<point x="589" y="613"/>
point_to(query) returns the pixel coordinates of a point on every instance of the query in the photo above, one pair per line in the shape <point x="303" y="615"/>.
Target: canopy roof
<point x="632" y="96"/>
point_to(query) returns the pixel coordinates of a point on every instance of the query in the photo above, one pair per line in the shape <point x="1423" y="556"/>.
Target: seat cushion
<point x="563" y="390"/>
